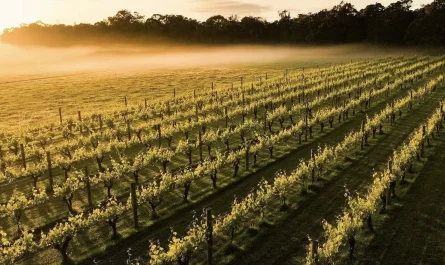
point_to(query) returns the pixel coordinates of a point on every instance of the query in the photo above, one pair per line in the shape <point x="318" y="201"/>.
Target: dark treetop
<point x="394" y="24"/>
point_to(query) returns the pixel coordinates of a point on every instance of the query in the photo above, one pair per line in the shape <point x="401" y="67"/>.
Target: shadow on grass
<point x="230" y="249"/>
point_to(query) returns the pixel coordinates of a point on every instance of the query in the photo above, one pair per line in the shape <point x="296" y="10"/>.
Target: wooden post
<point x="125" y="100"/>
<point x="145" y="103"/>
<point x="314" y="165"/>
<point x="50" y="171"/>
<point x="200" y="145"/>
<point x="135" y="205"/>
<point x="128" y="130"/>
<point x="265" y="120"/>
<point x="388" y="196"/>
<point x="266" y="76"/>
<point x="209" y="236"/>
<point x="422" y="146"/>
<point x="305" y="125"/>
<point x="87" y="180"/>
<point x="22" y="150"/>
<point x="159" y="135"/>
<point x="60" y="115"/>
<point x="174" y="92"/>
<point x="212" y="86"/>
<point x="227" y="116"/>
<point x="100" y="123"/>
<point x="194" y="93"/>
<point x="314" y="246"/>
<point x="79" y="115"/>
<point x="247" y="158"/>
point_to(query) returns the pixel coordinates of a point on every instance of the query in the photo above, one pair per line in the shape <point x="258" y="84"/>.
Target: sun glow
<point x="16" y="12"/>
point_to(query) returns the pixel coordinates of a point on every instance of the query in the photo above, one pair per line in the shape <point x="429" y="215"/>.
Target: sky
<point x="15" y="12"/>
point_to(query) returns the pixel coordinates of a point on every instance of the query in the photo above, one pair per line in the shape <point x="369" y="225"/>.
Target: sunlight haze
<point x="228" y="132"/>
<point x="15" y="12"/>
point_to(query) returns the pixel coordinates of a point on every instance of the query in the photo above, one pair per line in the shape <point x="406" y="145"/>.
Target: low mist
<point x="35" y="81"/>
<point x="20" y="61"/>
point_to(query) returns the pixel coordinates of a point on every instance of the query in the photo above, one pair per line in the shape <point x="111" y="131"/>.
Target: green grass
<point x="95" y="242"/>
<point x="412" y="229"/>
<point x="121" y="188"/>
<point x="286" y="240"/>
<point x="68" y="78"/>
<point x="221" y="201"/>
<point x="39" y="100"/>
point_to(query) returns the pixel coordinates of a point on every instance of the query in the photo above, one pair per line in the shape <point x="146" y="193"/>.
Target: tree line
<point x="395" y="24"/>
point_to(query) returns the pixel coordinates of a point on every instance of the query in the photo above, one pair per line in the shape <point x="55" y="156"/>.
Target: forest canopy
<point x="395" y="24"/>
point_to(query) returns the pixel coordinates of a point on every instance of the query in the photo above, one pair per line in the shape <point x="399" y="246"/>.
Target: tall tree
<point x="429" y="26"/>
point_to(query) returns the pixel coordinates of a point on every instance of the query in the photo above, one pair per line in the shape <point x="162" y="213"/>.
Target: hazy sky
<point x="15" y="12"/>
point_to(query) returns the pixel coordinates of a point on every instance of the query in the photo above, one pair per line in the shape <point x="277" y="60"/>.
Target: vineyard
<point x="304" y="167"/>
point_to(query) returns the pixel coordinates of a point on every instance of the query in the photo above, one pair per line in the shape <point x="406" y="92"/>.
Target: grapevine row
<point x="98" y="149"/>
<point x="187" y="176"/>
<point x="118" y="132"/>
<point x="361" y="207"/>
<point x="257" y="202"/>
<point x="64" y="232"/>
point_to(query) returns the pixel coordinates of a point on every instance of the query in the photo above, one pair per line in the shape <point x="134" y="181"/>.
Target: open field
<point x="35" y="82"/>
<point x="293" y="148"/>
<point x="416" y="209"/>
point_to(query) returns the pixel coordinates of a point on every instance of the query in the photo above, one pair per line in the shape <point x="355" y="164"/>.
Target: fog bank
<point x="20" y="61"/>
